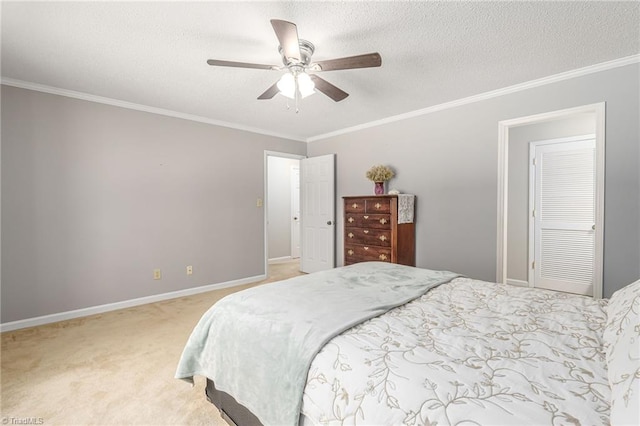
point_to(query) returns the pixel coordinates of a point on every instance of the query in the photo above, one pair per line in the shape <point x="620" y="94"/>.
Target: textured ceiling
<point x="154" y="53"/>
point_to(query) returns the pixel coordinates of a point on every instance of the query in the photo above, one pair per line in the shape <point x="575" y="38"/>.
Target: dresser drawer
<point x="356" y="253"/>
<point x="368" y="205"/>
<point x="376" y="237"/>
<point x="355" y="206"/>
<point x="377" y="205"/>
<point x="377" y="221"/>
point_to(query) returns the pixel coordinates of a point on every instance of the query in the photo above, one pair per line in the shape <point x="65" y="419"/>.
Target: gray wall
<point x="518" y="185"/>
<point x="449" y="159"/>
<point x="94" y="197"/>
<point x="279" y="206"/>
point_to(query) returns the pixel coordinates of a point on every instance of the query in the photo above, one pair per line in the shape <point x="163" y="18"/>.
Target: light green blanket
<point x="257" y="344"/>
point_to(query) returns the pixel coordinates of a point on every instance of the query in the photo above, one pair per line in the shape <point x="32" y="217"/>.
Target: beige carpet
<point x="111" y="369"/>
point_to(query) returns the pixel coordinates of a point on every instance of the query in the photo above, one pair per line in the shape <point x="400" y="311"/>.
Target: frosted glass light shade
<point x="287" y="85"/>
<point x="305" y="85"/>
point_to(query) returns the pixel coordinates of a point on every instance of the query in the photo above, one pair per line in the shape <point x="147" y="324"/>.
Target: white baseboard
<point x="280" y="259"/>
<point x="518" y="283"/>
<point x="77" y="313"/>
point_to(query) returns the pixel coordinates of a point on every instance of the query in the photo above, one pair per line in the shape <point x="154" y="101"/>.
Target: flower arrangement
<point x="379" y="173"/>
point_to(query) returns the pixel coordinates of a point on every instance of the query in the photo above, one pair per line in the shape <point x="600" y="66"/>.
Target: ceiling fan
<point x="296" y="54"/>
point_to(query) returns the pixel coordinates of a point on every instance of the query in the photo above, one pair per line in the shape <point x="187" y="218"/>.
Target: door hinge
<point x="533" y="265"/>
<point x="534" y="161"/>
<point x="533" y="213"/>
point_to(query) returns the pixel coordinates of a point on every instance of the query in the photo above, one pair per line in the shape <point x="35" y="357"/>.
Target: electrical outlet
<point x="189" y="270"/>
<point x="157" y="274"/>
<point x="259" y="202"/>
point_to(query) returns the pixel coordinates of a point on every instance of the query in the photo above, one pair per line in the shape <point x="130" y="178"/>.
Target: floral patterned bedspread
<point x="467" y="353"/>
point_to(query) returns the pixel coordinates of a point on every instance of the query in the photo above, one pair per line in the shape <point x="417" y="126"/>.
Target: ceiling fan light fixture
<point x="288" y="82"/>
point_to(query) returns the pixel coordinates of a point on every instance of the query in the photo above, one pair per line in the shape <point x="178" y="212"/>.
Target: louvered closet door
<point x="564" y="216"/>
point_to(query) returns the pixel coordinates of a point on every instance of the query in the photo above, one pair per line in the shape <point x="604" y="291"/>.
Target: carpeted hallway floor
<point x="114" y="368"/>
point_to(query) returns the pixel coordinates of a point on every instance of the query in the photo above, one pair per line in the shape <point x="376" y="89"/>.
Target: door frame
<point x="265" y="209"/>
<point x="503" y="155"/>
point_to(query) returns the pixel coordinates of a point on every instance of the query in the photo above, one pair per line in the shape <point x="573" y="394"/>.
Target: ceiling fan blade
<point x="218" y="63"/>
<point x="328" y="89"/>
<point x="287" y="34"/>
<point x="367" y="60"/>
<point x="270" y="92"/>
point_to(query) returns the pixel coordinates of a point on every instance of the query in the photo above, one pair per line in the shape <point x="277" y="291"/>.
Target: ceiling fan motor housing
<point x="306" y="51"/>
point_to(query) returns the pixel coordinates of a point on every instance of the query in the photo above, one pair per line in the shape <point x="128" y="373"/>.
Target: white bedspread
<point x="467" y="353"/>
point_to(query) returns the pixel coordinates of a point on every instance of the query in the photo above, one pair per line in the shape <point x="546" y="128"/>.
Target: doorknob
<point x="329" y="222"/>
<point x="295" y="218"/>
<point x="593" y="227"/>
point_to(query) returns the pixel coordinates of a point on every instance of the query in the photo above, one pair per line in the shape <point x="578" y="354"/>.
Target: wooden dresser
<point x="372" y="231"/>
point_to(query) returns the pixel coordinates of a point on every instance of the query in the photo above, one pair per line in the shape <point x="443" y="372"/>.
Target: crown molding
<point x="604" y="66"/>
<point x="138" y="107"/>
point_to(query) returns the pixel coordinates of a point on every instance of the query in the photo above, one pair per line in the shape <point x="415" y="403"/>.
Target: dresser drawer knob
<point x="382" y="238"/>
<point x="350" y="220"/>
<point x="383" y="221"/>
<point x="350" y="252"/>
<point x="378" y="205"/>
<point x="382" y="257"/>
<point x="366" y="217"/>
<point x="350" y="234"/>
<point x="354" y="205"/>
<point x="366" y="231"/>
<point x="366" y="248"/>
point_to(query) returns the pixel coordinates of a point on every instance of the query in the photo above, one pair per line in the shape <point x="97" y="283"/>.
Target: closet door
<point x="563" y="215"/>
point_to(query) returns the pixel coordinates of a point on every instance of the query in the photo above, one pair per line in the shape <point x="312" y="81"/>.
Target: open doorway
<point x="541" y="235"/>
<point x="282" y="208"/>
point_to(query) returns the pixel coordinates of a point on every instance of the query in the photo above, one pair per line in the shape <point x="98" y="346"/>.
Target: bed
<point x="383" y="344"/>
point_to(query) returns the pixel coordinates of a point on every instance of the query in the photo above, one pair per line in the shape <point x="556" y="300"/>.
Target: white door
<point x="562" y="223"/>
<point x="295" y="212"/>
<point x="317" y="195"/>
